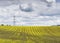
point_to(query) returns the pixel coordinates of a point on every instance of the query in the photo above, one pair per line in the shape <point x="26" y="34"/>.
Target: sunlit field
<point x="29" y="34"/>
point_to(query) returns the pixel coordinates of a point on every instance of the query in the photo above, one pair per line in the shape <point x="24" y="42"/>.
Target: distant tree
<point x="58" y="25"/>
<point x="55" y="25"/>
<point x="2" y="24"/>
<point x="8" y="25"/>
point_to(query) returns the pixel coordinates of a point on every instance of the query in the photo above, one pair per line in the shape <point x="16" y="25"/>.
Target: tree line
<point x="4" y="25"/>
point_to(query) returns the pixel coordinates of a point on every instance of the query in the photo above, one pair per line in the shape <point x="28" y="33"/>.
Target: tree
<point x="2" y="24"/>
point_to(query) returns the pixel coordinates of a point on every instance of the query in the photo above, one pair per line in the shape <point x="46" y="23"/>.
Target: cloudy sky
<point x="30" y="12"/>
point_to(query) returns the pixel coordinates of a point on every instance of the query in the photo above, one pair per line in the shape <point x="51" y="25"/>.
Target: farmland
<point x="29" y="34"/>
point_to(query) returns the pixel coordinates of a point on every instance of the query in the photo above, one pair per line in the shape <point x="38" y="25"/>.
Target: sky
<point x="30" y="12"/>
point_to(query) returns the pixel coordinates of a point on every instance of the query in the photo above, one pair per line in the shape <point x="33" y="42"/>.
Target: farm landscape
<point x="29" y="34"/>
<point x="29" y="21"/>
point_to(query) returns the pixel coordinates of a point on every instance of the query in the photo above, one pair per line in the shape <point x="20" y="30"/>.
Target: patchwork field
<point x="29" y="34"/>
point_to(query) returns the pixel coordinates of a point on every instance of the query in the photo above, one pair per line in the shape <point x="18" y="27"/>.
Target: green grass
<point x="29" y="34"/>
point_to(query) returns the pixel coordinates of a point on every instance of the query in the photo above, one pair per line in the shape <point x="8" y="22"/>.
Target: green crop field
<point x="29" y="34"/>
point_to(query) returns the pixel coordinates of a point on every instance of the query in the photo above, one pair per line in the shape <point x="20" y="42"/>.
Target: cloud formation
<point x="41" y="14"/>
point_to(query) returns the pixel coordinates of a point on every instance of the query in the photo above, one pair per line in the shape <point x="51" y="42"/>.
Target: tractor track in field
<point x="13" y="35"/>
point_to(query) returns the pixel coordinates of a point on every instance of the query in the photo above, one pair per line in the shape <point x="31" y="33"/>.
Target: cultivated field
<point x="29" y="34"/>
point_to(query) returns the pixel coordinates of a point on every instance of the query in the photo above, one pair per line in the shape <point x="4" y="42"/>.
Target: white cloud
<point x="31" y="18"/>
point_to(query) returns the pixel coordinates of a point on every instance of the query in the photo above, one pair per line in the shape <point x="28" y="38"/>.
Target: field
<point x="29" y="34"/>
